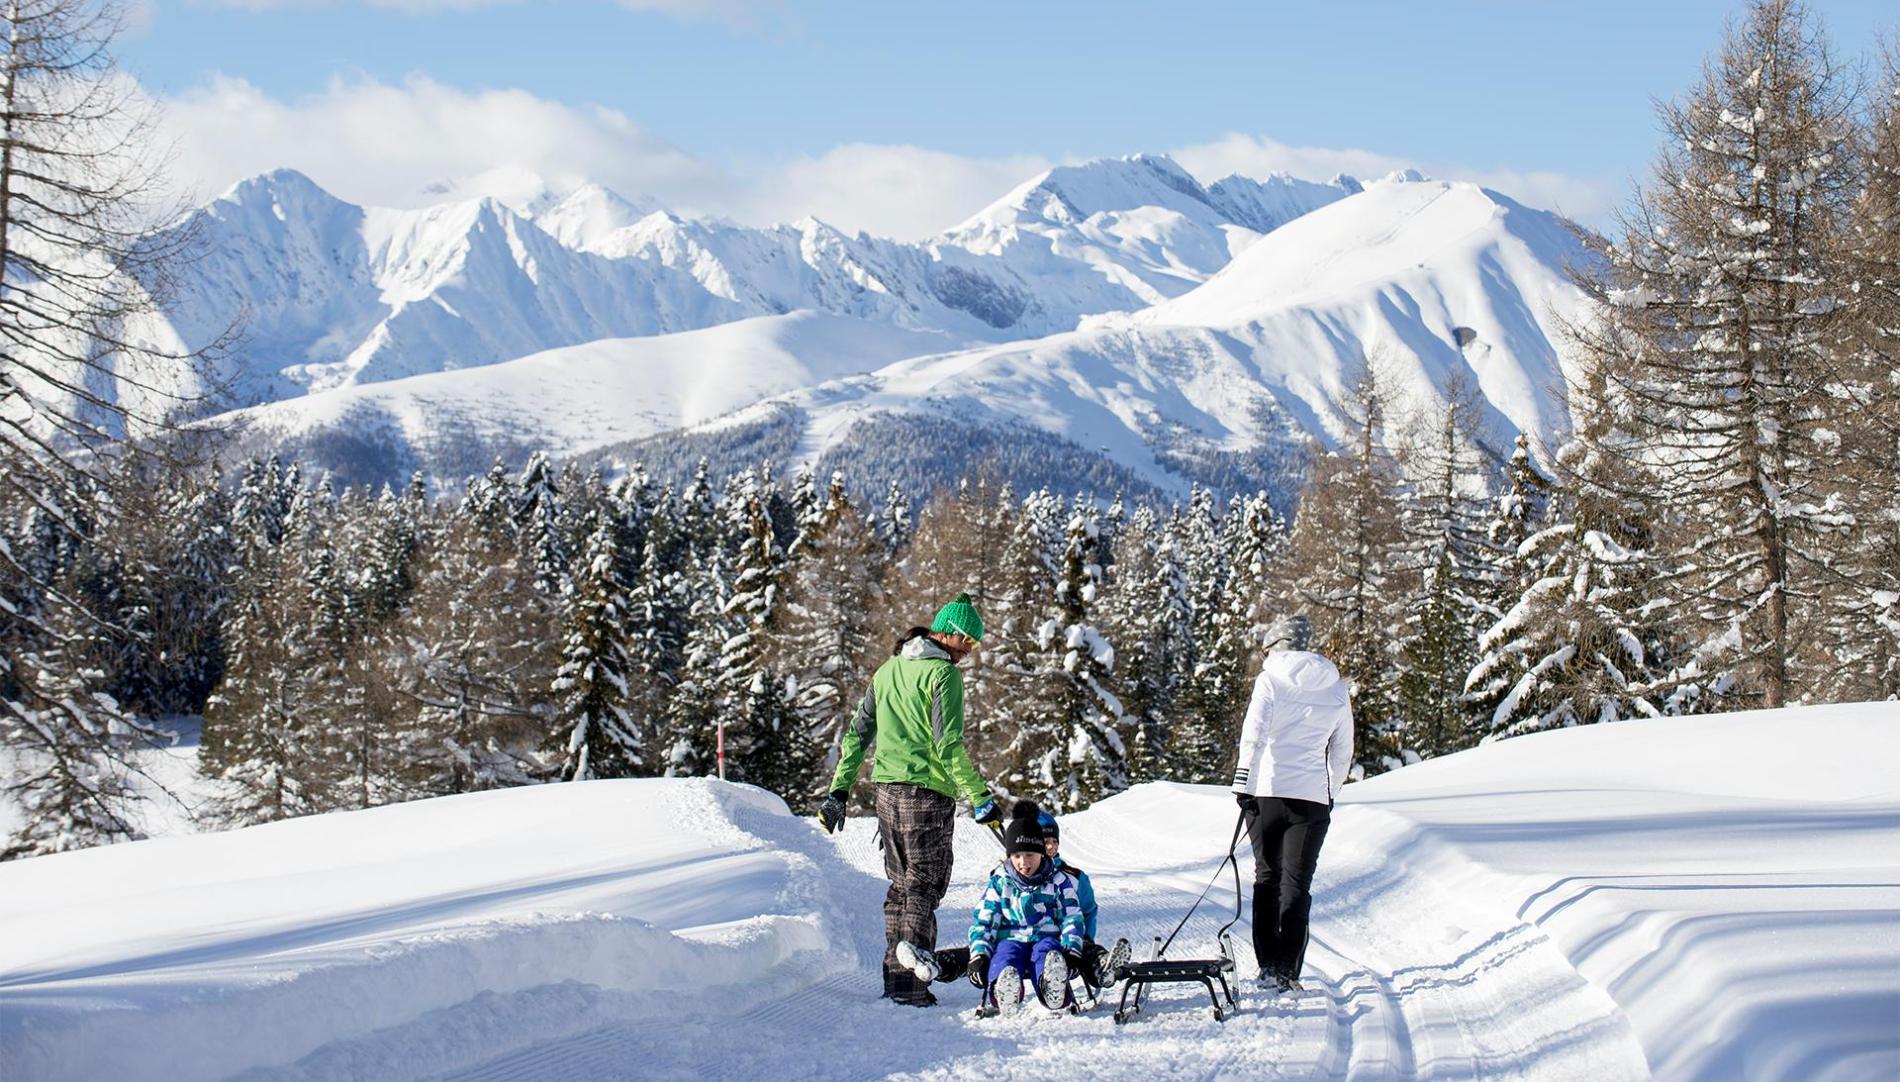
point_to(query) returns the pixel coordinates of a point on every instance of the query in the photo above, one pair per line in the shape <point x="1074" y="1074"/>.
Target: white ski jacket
<point x="1297" y="740"/>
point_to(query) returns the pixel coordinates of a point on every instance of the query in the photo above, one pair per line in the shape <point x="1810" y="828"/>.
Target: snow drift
<point x="1700" y="898"/>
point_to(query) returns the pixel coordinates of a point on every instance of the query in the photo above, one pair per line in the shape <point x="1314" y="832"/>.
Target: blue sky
<point x="748" y="107"/>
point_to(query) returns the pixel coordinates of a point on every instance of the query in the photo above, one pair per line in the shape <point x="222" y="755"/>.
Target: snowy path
<point x="1402" y="1004"/>
<point x="1687" y="899"/>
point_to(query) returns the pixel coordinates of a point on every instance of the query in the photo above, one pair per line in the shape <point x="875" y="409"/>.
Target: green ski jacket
<point x="913" y="714"/>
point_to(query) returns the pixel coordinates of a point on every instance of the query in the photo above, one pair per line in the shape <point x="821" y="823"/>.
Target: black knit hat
<point x="1024" y="833"/>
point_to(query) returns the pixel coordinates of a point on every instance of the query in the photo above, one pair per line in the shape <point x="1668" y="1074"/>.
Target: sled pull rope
<point x="1239" y="823"/>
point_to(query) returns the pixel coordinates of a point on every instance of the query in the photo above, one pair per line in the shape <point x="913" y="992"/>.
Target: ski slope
<point x="1704" y="898"/>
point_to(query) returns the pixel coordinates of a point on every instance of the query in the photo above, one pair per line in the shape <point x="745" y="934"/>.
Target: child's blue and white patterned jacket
<point x="1045" y="906"/>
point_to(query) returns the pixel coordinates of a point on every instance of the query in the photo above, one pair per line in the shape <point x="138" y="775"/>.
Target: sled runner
<point x="1210" y="973"/>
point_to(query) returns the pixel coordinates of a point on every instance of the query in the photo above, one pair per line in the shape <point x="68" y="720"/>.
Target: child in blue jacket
<point x="1100" y="966"/>
<point x="1029" y="922"/>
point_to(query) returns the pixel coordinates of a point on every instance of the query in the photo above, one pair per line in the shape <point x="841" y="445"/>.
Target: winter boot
<point x="1053" y="987"/>
<point x="1007" y="990"/>
<point x="919" y="961"/>
<point x="1288" y="985"/>
<point x="1109" y="966"/>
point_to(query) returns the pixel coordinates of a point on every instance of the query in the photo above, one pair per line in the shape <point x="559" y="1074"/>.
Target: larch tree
<point x="82" y="363"/>
<point x="1713" y="322"/>
<point x="1344" y="569"/>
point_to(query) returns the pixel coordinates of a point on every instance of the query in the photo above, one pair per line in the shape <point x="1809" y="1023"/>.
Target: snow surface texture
<point x="1707" y="898"/>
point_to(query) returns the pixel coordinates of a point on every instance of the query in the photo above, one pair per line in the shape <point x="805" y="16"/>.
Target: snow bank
<point x="1701" y="898"/>
<point x="1732" y="882"/>
<point x="470" y="924"/>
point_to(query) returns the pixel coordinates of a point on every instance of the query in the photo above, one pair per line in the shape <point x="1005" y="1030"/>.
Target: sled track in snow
<point x="1404" y="981"/>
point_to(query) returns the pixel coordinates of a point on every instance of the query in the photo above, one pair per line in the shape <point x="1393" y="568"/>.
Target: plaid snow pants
<point x="915" y="825"/>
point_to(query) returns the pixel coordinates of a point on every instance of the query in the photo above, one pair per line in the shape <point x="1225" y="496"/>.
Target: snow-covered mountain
<point x="572" y="399"/>
<point x="1683" y="898"/>
<point x="331" y="294"/>
<point x="1430" y="280"/>
<point x="1223" y="382"/>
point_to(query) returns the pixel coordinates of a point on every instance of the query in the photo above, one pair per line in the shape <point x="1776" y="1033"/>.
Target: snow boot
<point x="1007" y="990"/>
<point x="918" y="961"/>
<point x="924" y="998"/>
<point x="1288" y="985"/>
<point x="1108" y="969"/>
<point x="1052" y="988"/>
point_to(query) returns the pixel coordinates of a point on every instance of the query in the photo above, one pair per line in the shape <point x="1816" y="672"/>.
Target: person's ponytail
<point x="913" y="633"/>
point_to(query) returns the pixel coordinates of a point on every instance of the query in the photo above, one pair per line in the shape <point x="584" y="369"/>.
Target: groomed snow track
<point x="1398" y="996"/>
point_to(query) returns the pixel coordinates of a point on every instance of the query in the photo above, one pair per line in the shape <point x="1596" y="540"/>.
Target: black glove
<point x="987" y="812"/>
<point x="831" y="811"/>
<point x="1245" y="800"/>
<point x="979" y="973"/>
<point x="1074" y="958"/>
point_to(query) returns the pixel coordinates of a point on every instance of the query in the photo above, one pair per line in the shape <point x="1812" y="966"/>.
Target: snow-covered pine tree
<point x="259" y="513"/>
<point x="767" y="739"/>
<point x="1029" y="740"/>
<point x="1147" y="611"/>
<point x="1214" y="687"/>
<point x="1343" y="572"/>
<point x="538" y="518"/>
<point x="276" y="752"/>
<point x="833" y="584"/>
<point x="1253" y="534"/>
<point x="657" y="612"/>
<point x="894" y="521"/>
<point x="595" y="733"/>
<point x="697" y="702"/>
<point x="1711" y="322"/>
<point x="1589" y="638"/>
<point x="395" y="536"/>
<point x="466" y="665"/>
<point x="1444" y="518"/>
<point x="1092" y="713"/>
<point x="489" y="501"/>
<point x="1518" y="511"/>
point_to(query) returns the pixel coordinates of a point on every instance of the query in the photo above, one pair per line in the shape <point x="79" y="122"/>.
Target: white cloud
<point x="383" y="143"/>
<point x="894" y="191"/>
<point x="389" y="144"/>
<point x="1583" y="198"/>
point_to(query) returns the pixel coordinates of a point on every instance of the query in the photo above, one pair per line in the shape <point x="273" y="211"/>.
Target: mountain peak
<point x="585" y="217"/>
<point x="277" y="182"/>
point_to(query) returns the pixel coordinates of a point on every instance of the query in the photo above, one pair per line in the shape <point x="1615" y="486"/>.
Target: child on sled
<point x="1003" y="935"/>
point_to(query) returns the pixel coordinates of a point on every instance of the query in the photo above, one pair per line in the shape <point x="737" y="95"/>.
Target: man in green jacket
<point x="913" y="714"/>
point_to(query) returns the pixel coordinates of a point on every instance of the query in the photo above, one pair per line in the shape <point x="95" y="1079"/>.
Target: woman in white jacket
<point x="1295" y="749"/>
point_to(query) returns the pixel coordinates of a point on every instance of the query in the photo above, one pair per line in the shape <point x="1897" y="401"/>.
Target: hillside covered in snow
<point x="1434" y="285"/>
<point x="329" y="294"/>
<point x="1696" y="898"/>
<point x="1220" y="351"/>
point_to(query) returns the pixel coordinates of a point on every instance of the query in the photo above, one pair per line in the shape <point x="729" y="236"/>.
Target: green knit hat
<point x="959" y="618"/>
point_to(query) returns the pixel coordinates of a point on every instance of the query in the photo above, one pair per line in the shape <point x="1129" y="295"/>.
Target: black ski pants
<point x="917" y="826"/>
<point x="1286" y="836"/>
